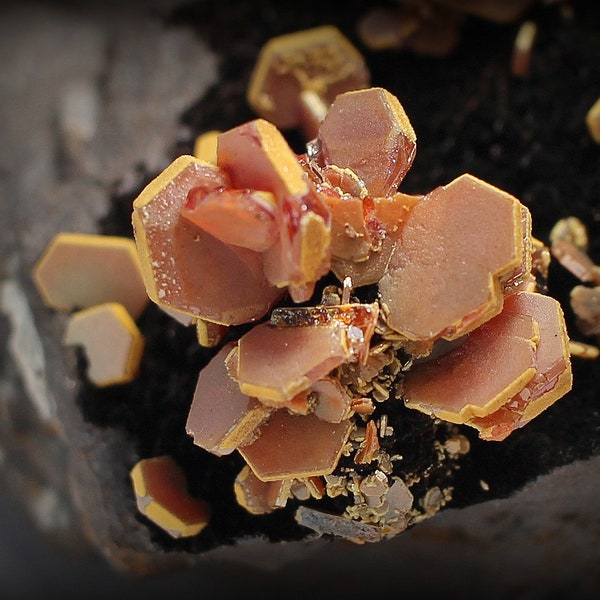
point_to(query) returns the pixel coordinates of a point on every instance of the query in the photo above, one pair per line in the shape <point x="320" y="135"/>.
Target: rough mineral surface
<point x="61" y="178"/>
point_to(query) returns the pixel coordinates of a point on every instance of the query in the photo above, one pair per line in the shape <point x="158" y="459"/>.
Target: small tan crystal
<point x="161" y="495"/>
<point x="111" y="340"/>
<point x="592" y="120"/>
<point x="81" y="270"/>
<point x="260" y="497"/>
<point x="298" y="75"/>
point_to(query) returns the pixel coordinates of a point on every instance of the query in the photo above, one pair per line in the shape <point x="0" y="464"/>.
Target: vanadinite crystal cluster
<point x="338" y="306"/>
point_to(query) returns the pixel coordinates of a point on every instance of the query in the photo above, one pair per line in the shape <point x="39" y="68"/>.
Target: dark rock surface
<point x="92" y="101"/>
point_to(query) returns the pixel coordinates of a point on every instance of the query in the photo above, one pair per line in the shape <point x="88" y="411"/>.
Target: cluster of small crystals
<point x="308" y="395"/>
<point x="569" y="244"/>
<point x="96" y="279"/>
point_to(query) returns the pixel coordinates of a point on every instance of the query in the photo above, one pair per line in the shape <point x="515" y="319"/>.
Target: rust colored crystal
<point x="243" y="218"/>
<point x="592" y="121"/>
<point x="383" y="218"/>
<point x="257" y="157"/>
<point x="368" y="132"/>
<point x="434" y="286"/>
<point x="296" y="446"/>
<point x="221" y="417"/>
<point x="161" y="495"/>
<point x="205" y="146"/>
<point x="552" y="378"/>
<point x="359" y="320"/>
<point x="524" y="354"/>
<point x="276" y="363"/>
<point x="187" y="269"/>
<point x="454" y="327"/>
<point x="492" y="364"/>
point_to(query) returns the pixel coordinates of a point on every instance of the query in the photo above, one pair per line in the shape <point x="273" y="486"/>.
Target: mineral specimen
<point x="111" y="340"/>
<point x="435" y="308"/>
<point x="81" y="270"/>
<point x="298" y="75"/>
<point x="161" y="495"/>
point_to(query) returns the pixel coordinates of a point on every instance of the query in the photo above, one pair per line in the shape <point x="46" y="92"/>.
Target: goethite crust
<point x="345" y="317"/>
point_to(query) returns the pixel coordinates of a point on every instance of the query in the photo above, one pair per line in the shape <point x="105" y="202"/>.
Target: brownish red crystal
<point x="453" y="326"/>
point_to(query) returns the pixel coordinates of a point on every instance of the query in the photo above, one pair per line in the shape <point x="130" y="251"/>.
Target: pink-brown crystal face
<point x="187" y="269"/>
<point x="359" y="321"/>
<point x="524" y="355"/>
<point x="368" y="132"/>
<point x="443" y="278"/>
<point x="162" y="496"/>
<point x="296" y="446"/>
<point x="256" y="156"/>
<point x="276" y="363"/>
<point x="553" y="376"/>
<point x="245" y="218"/>
<point x="453" y="386"/>
<point x="221" y="416"/>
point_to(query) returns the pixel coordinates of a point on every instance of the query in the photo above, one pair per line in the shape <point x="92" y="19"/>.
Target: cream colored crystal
<point x="80" y="270"/>
<point x="111" y="340"/>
